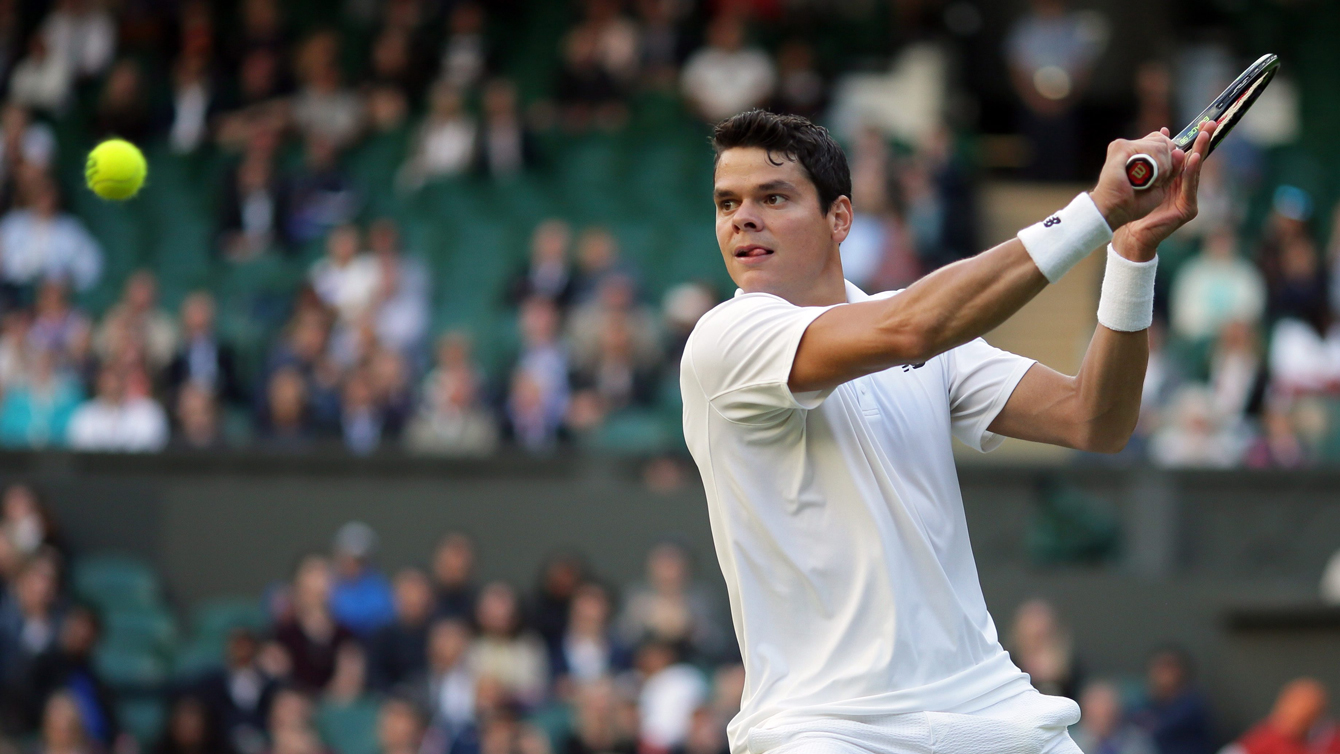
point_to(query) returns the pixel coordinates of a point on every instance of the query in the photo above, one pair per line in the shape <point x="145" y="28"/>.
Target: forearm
<point x="1107" y="389"/>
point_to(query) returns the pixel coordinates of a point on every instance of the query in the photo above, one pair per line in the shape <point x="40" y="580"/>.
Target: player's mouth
<point x="752" y="253"/>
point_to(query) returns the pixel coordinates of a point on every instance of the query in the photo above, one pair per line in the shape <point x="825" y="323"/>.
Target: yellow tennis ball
<point x="115" y="169"/>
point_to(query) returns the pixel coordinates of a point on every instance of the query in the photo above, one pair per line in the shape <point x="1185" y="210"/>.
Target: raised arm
<point x="963" y="300"/>
<point x="1097" y="409"/>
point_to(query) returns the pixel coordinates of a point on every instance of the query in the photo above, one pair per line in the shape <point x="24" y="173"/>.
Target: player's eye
<point x="774" y="199"/>
<point x="726" y="205"/>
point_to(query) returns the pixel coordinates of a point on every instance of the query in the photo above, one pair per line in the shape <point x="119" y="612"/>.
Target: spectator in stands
<point x="597" y="259"/>
<point x="671" y="691"/>
<point x="305" y="349"/>
<point x="319" y="196"/>
<point x="138" y="312"/>
<point x="202" y="360"/>
<point x="597" y="726"/>
<point x="192" y="729"/>
<point x="681" y="308"/>
<point x="538" y="398"/>
<point x="398" y="650"/>
<point x="1214" y="288"/>
<point x="57" y="325"/>
<point x="669" y="607"/>
<point x="617" y="378"/>
<point x="64" y="730"/>
<point x="447" y="687"/>
<point x="346" y="714"/>
<point x="253" y="209"/>
<point x="1299" y="290"/>
<point x="123" y="107"/>
<point x="724" y="77"/>
<point x="323" y="107"/>
<point x="1195" y="434"/>
<point x="361" y="597"/>
<point x="400" y="727"/>
<point x="1278" y="444"/>
<point x="40" y="242"/>
<point x="1051" y="52"/>
<point x="346" y="279"/>
<point x="1102" y="728"/>
<point x="194" y="98"/>
<point x="1237" y="376"/>
<point x="465" y="54"/>
<point x="452" y="418"/>
<point x="26" y="147"/>
<point x="259" y="103"/>
<point x="801" y="89"/>
<point x="549" y="273"/>
<point x="27" y="523"/>
<point x="15" y="350"/>
<point x="285" y="422"/>
<point x="35" y="412"/>
<point x="1303" y="359"/>
<point x="1287" y="730"/>
<point x="505" y="650"/>
<point x="30" y="620"/>
<point x="560" y="577"/>
<point x="445" y="142"/>
<point x="395" y="70"/>
<point x="611" y="322"/>
<point x="1042" y="648"/>
<point x="42" y="80"/>
<point x="313" y="636"/>
<point x="454" y="577"/>
<point x="83" y="33"/>
<point x="588" y="650"/>
<point x="239" y="693"/>
<point x="1176" y="715"/>
<point x="600" y="64"/>
<point x="706" y="735"/>
<point x="69" y="665"/>
<point x="403" y="292"/>
<point x="364" y="419"/>
<point x="290" y="725"/>
<point x="115" y="420"/>
<point x="505" y="144"/>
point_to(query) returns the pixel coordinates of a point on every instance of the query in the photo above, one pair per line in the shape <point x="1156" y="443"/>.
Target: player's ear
<point x="839" y="218"/>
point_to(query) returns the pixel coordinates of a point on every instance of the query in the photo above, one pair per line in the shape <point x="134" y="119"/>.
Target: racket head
<point x="1230" y="106"/>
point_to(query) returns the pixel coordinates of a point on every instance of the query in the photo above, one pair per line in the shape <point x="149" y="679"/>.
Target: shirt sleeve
<point x="741" y="354"/>
<point x="981" y="378"/>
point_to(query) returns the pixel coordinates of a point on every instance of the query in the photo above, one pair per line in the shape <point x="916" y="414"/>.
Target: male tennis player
<point x="820" y="419"/>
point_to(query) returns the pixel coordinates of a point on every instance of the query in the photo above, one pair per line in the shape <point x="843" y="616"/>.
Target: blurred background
<point x="358" y="430"/>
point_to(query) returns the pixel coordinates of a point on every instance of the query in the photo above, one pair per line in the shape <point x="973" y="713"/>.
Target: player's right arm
<point x="964" y="300"/>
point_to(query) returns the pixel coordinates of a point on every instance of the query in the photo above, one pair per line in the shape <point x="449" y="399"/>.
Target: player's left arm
<point x="1096" y="409"/>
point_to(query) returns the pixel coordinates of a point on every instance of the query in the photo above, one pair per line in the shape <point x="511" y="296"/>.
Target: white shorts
<point x="1027" y="723"/>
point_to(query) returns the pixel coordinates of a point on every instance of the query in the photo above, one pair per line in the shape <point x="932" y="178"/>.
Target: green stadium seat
<point x="151" y="629"/>
<point x="197" y="657"/>
<point x="215" y="618"/>
<point x="129" y="667"/>
<point x="631" y="432"/>
<point x="349" y="728"/>
<point x="143" y="718"/>
<point x="114" y="582"/>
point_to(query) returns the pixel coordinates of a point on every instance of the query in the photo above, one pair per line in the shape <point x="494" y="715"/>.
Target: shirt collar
<point x="854" y="294"/>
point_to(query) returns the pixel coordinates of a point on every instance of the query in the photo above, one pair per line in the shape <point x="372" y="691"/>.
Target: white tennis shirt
<point x="838" y="519"/>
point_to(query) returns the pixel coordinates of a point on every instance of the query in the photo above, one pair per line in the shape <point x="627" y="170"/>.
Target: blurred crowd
<point x="343" y="658"/>
<point x="352" y="350"/>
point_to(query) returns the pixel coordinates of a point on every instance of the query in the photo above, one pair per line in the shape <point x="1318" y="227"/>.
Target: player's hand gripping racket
<point x="1227" y="109"/>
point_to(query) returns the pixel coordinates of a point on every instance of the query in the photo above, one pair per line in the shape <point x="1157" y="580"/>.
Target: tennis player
<point x="820" y="418"/>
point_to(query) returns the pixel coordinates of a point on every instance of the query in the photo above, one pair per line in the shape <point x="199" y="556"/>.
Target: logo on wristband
<point x="1053" y="220"/>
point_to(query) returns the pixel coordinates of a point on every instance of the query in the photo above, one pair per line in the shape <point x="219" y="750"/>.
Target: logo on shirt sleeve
<point x="910" y="367"/>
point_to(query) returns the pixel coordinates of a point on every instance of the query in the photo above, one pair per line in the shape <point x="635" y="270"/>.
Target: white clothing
<point x="41" y="84"/>
<point x="446" y="148"/>
<point x="1209" y="293"/>
<point x="349" y="289"/>
<point x="136" y="426"/>
<point x="838" y="519"/>
<point x="86" y="41"/>
<point x="667" y="702"/>
<point x="1301" y="361"/>
<point x="33" y="248"/>
<point x="722" y="83"/>
<point x="1024" y="723"/>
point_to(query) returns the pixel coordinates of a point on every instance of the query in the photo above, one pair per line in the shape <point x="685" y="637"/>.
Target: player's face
<point x="772" y="233"/>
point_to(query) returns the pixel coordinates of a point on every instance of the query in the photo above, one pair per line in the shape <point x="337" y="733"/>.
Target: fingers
<point x="1165" y="131"/>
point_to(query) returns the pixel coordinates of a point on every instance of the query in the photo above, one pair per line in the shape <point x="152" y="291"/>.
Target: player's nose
<point x="747" y="217"/>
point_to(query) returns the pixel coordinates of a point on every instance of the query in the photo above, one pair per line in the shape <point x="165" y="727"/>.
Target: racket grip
<point x="1141" y="171"/>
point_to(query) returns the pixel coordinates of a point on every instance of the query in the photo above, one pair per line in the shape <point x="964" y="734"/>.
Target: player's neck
<point x="824" y="289"/>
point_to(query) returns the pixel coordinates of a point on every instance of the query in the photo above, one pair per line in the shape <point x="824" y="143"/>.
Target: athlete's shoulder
<point x="733" y="309"/>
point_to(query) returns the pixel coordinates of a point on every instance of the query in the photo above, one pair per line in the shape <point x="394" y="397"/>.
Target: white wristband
<point x="1059" y="242"/>
<point x="1127" y="301"/>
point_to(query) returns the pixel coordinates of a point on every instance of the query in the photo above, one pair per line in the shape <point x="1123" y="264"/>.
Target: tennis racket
<point x="1227" y="109"/>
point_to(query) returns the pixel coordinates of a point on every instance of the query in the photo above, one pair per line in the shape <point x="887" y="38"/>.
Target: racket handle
<point x="1141" y="171"/>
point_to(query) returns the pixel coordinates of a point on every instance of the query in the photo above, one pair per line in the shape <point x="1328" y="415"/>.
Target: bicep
<point x="846" y="342"/>
<point x="1041" y="408"/>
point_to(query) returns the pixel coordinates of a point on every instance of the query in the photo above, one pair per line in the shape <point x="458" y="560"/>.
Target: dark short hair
<point x="819" y="156"/>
